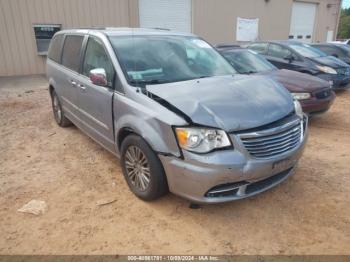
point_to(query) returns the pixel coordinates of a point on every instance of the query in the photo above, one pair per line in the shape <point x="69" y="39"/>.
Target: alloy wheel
<point x="137" y="168"/>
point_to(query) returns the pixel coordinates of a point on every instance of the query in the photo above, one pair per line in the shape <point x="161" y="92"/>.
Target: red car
<point x="314" y="94"/>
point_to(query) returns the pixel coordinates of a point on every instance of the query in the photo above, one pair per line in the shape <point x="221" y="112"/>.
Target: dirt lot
<point x="307" y="214"/>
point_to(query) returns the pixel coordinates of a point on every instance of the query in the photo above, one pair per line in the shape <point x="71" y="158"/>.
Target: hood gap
<point x="167" y="105"/>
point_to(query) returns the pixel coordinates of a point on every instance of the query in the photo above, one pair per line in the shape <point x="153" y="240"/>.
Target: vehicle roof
<point x="233" y="49"/>
<point x="125" y="31"/>
<point x="328" y="44"/>
<point x="288" y="42"/>
<point x="282" y="42"/>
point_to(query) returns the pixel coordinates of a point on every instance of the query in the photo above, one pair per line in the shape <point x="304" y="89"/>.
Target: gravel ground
<point x="307" y="214"/>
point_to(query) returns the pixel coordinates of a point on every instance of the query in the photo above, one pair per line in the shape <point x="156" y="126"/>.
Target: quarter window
<point x="279" y="51"/>
<point x="71" y="51"/>
<point x="96" y="57"/>
<point x="55" y="48"/>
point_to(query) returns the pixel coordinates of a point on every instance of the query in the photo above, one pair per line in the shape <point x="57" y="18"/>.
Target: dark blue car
<point x="340" y="51"/>
<point x="304" y="58"/>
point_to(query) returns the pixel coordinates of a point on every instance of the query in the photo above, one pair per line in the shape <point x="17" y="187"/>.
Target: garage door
<point x="170" y="14"/>
<point x="303" y="21"/>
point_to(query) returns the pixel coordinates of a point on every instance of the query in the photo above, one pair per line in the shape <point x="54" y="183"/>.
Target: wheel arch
<point x="161" y="139"/>
<point x="52" y="86"/>
<point x="51" y="89"/>
<point x="122" y="134"/>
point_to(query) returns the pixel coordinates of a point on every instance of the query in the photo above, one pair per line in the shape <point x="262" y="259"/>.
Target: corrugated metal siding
<point x="216" y="20"/>
<point x="327" y="17"/>
<point x="213" y="20"/>
<point x="18" y="55"/>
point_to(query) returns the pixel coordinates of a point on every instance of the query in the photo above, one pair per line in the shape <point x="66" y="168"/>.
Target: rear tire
<point x="58" y="113"/>
<point x="142" y="169"/>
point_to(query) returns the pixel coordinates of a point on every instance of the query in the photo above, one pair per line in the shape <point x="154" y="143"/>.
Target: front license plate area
<point x="282" y="165"/>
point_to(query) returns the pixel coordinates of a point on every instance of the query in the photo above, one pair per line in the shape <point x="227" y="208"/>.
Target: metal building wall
<point x="216" y="20"/>
<point x="18" y="54"/>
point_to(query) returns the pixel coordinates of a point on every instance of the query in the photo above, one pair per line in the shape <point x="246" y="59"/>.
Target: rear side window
<point x="279" y="51"/>
<point x="323" y="48"/>
<point x="55" y="48"/>
<point x="260" y="48"/>
<point x="71" y="51"/>
<point x="331" y="50"/>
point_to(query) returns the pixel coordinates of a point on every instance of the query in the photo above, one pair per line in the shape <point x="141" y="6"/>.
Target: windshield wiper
<point x="198" y="77"/>
<point x="204" y="76"/>
<point x="144" y="82"/>
<point x="250" y="72"/>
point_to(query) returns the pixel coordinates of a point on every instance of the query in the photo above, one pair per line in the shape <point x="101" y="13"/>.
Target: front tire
<point x="142" y="169"/>
<point x="58" y="113"/>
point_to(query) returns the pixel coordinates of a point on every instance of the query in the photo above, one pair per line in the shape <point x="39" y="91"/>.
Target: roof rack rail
<point x="160" y="28"/>
<point x="94" y="28"/>
<point x="227" y="46"/>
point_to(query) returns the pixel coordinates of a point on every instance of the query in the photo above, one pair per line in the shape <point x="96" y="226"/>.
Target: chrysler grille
<point x="273" y="142"/>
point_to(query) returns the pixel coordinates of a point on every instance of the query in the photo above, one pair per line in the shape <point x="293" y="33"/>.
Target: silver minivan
<point x="175" y="112"/>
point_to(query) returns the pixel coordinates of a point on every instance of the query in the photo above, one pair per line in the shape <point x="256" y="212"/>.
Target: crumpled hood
<point x="329" y="61"/>
<point x="297" y="82"/>
<point x="228" y="102"/>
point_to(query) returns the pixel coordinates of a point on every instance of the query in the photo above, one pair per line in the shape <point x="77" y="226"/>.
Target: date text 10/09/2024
<point x="173" y="258"/>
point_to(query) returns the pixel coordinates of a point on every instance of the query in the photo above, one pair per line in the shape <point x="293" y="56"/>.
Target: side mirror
<point x="335" y="55"/>
<point x="98" y="77"/>
<point x="289" y="58"/>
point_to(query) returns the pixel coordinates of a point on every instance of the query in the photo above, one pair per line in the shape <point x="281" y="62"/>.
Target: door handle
<point x="81" y="86"/>
<point x="74" y="84"/>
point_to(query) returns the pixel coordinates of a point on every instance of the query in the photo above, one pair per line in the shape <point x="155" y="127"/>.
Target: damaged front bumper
<point x="227" y="175"/>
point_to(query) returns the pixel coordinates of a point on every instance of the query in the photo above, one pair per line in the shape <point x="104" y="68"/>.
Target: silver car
<point x="175" y="112"/>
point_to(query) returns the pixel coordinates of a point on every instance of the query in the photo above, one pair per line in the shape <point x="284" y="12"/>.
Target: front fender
<point x="150" y="120"/>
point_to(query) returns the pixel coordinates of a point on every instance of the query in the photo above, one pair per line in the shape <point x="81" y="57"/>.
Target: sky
<point x="346" y="3"/>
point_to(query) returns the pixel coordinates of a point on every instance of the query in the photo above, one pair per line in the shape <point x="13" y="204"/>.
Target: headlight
<point x="201" y="140"/>
<point x="301" y="96"/>
<point x="298" y="109"/>
<point x="327" y="69"/>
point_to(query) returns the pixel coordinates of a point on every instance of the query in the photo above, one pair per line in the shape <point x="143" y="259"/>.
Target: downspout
<point x="338" y="19"/>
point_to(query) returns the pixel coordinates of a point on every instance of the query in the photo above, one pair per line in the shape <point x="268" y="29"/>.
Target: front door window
<point x="96" y="57"/>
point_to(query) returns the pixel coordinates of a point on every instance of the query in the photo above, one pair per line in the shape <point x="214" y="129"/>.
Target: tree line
<point x="344" y="24"/>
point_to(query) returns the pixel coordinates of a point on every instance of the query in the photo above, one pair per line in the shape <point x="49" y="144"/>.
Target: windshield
<point x="307" y="51"/>
<point x="345" y="48"/>
<point x="247" y="62"/>
<point x="165" y="59"/>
